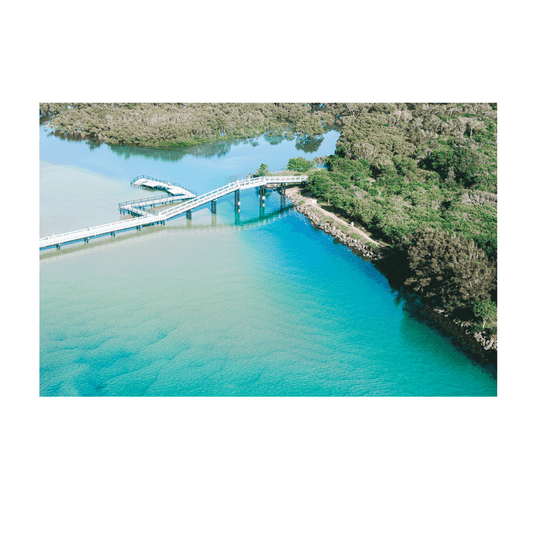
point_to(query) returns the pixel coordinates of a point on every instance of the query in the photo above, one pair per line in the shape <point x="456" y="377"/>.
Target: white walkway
<point x="150" y="219"/>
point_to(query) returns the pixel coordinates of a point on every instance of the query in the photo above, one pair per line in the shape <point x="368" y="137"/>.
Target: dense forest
<point x="422" y="178"/>
<point x="419" y="177"/>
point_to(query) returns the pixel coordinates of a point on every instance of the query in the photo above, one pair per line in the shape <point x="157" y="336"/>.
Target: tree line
<point x="422" y="178"/>
<point x="159" y="125"/>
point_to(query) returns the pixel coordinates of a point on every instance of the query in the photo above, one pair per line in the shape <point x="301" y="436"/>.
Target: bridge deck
<point x="175" y="190"/>
<point x="149" y="219"/>
<point x="136" y="206"/>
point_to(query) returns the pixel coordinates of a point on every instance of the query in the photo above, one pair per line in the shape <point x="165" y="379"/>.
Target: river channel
<point x="257" y="303"/>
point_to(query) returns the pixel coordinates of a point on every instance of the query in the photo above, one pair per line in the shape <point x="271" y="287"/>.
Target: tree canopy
<point x="449" y="270"/>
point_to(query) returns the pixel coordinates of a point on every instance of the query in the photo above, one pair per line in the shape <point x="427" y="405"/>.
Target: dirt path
<point x="296" y="197"/>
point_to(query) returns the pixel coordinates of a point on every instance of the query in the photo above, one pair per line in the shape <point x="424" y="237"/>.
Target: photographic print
<point x="275" y="249"/>
<point x="268" y="249"/>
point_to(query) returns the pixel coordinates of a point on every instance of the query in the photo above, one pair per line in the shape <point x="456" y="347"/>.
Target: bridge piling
<point x="283" y="195"/>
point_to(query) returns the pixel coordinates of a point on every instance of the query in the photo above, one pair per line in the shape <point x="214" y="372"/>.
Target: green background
<point x="261" y="474"/>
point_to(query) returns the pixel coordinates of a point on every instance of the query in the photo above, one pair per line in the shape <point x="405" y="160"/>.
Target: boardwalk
<point x="141" y="207"/>
<point x="151" y="218"/>
<point x="175" y="193"/>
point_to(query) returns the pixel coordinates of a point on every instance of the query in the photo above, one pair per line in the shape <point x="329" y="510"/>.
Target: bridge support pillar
<point x="86" y="240"/>
<point x="213" y="206"/>
<point x="58" y="246"/>
<point x="139" y="228"/>
<point x="113" y="234"/>
<point x="237" y="199"/>
<point x="189" y="214"/>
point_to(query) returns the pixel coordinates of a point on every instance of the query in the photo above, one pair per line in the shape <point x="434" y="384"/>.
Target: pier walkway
<point x="175" y="193"/>
<point x="150" y="218"/>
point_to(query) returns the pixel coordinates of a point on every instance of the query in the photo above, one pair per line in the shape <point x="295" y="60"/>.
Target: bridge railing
<point x="199" y="200"/>
<point x="164" y="196"/>
<point x="161" y="181"/>
<point x="226" y="189"/>
<point x="112" y="226"/>
<point x="285" y="179"/>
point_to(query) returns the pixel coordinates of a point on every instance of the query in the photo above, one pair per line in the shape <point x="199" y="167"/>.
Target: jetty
<point x="146" y="217"/>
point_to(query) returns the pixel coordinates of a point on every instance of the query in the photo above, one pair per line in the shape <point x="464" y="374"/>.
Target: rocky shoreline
<point x="362" y="248"/>
<point x="480" y="346"/>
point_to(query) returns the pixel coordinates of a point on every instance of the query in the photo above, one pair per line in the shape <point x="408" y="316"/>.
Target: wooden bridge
<point x="146" y="217"/>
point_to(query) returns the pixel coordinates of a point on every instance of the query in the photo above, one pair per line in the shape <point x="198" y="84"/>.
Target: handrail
<point x="120" y="223"/>
<point x="195" y="202"/>
<point x="170" y="196"/>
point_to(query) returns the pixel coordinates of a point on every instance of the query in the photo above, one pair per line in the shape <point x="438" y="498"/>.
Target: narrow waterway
<point x="253" y="304"/>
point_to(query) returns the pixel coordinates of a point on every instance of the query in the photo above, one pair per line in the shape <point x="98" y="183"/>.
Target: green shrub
<point x="299" y="164"/>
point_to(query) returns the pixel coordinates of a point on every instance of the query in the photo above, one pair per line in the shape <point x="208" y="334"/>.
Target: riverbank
<point x="480" y="345"/>
<point x="349" y="235"/>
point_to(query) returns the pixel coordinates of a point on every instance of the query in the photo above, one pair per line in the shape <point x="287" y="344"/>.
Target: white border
<point x="30" y="403"/>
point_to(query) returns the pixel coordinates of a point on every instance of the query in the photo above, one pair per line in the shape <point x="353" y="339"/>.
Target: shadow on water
<point x="394" y="267"/>
<point x="416" y="311"/>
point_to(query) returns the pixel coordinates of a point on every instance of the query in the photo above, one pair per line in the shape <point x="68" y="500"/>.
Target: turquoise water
<point x="259" y="305"/>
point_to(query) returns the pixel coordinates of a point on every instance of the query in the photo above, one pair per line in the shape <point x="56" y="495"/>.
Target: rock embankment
<point x="483" y="345"/>
<point x="361" y="248"/>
